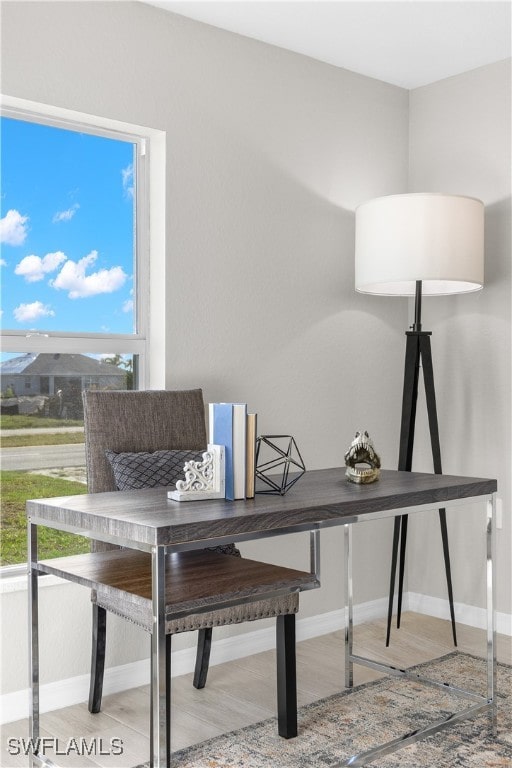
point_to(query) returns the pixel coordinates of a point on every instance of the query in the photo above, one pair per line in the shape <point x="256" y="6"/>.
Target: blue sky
<point x="66" y="230"/>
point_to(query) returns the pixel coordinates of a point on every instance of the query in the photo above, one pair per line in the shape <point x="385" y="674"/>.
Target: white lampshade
<point x="435" y="238"/>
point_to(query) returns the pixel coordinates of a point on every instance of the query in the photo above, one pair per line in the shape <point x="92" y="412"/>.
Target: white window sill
<point x="13" y="578"/>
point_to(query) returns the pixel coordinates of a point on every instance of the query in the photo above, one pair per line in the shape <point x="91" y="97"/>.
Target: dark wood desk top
<point x="321" y="498"/>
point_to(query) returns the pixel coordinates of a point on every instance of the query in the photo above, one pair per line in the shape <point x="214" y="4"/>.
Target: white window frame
<point x="149" y="341"/>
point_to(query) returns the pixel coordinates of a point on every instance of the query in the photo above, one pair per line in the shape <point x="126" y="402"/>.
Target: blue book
<point x="221" y="433"/>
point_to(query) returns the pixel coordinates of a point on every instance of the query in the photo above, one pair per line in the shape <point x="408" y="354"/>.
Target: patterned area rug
<point x="332" y="730"/>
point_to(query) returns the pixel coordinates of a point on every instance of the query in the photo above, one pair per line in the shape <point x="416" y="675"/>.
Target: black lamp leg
<point x="403" y="544"/>
<point x="409" y="400"/>
<point x="430" y="394"/>
<point x="448" y="570"/>
<point x="417" y="351"/>
<point x="396" y="536"/>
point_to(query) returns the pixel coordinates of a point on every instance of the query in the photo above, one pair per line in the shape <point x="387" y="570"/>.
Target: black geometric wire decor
<point x="278" y="464"/>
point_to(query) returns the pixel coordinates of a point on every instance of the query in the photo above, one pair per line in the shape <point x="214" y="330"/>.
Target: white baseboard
<point x="464" y="614"/>
<point x="65" y="693"/>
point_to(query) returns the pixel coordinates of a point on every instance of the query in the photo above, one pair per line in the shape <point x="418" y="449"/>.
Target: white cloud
<point x="34" y="268"/>
<point x="66" y="215"/>
<point x="25" y="313"/>
<point x="13" y="230"/>
<point x="72" y="278"/>
<point x="127" y="176"/>
<point x="3" y="263"/>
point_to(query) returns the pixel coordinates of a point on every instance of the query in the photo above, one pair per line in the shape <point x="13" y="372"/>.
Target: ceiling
<point x="405" y="42"/>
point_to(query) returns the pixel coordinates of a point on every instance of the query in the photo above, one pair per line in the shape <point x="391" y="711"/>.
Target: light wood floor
<point x="241" y="692"/>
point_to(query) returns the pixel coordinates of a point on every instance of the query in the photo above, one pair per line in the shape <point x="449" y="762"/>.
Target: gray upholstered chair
<point x="149" y="421"/>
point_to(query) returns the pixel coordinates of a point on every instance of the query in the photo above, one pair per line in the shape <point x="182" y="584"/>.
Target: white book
<point x="211" y="417"/>
<point x="239" y="449"/>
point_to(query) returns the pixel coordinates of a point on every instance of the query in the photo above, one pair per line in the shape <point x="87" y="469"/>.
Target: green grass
<point x="17" y="487"/>
<point x="33" y="422"/>
<point x="54" y="438"/>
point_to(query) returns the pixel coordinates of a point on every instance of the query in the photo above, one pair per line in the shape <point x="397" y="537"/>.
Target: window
<point x="71" y="229"/>
<point x="75" y="277"/>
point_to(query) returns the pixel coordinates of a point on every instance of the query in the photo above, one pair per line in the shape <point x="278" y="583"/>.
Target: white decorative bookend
<point x="203" y="479"/>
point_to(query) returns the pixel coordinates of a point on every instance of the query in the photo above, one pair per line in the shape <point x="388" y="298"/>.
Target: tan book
<point x="250" y="453"/>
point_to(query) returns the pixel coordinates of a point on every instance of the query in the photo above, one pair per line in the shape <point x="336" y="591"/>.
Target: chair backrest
<point x="148" y="420"/>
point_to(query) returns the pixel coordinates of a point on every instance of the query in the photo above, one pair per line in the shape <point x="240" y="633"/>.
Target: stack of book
<point x="231" y="426"/>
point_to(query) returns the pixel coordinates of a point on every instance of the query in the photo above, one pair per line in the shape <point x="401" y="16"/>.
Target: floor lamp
<point x="418" y="245"/>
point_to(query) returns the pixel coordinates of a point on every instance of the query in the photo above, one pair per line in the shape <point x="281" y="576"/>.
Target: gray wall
<point x="268" y="153"/>
<point x="460" y="139"/>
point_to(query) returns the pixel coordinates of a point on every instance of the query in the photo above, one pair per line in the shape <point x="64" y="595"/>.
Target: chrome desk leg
<point x="491" y="629"/>
<point x="349" y="599"/>
<point x="314" y="553"/>
<point x="481" y="703"/>
<point x="33" y="645"/>
<point x="160" y="750"/>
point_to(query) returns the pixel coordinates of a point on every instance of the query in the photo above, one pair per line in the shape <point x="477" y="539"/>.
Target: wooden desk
<point x="146" y="520"/>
